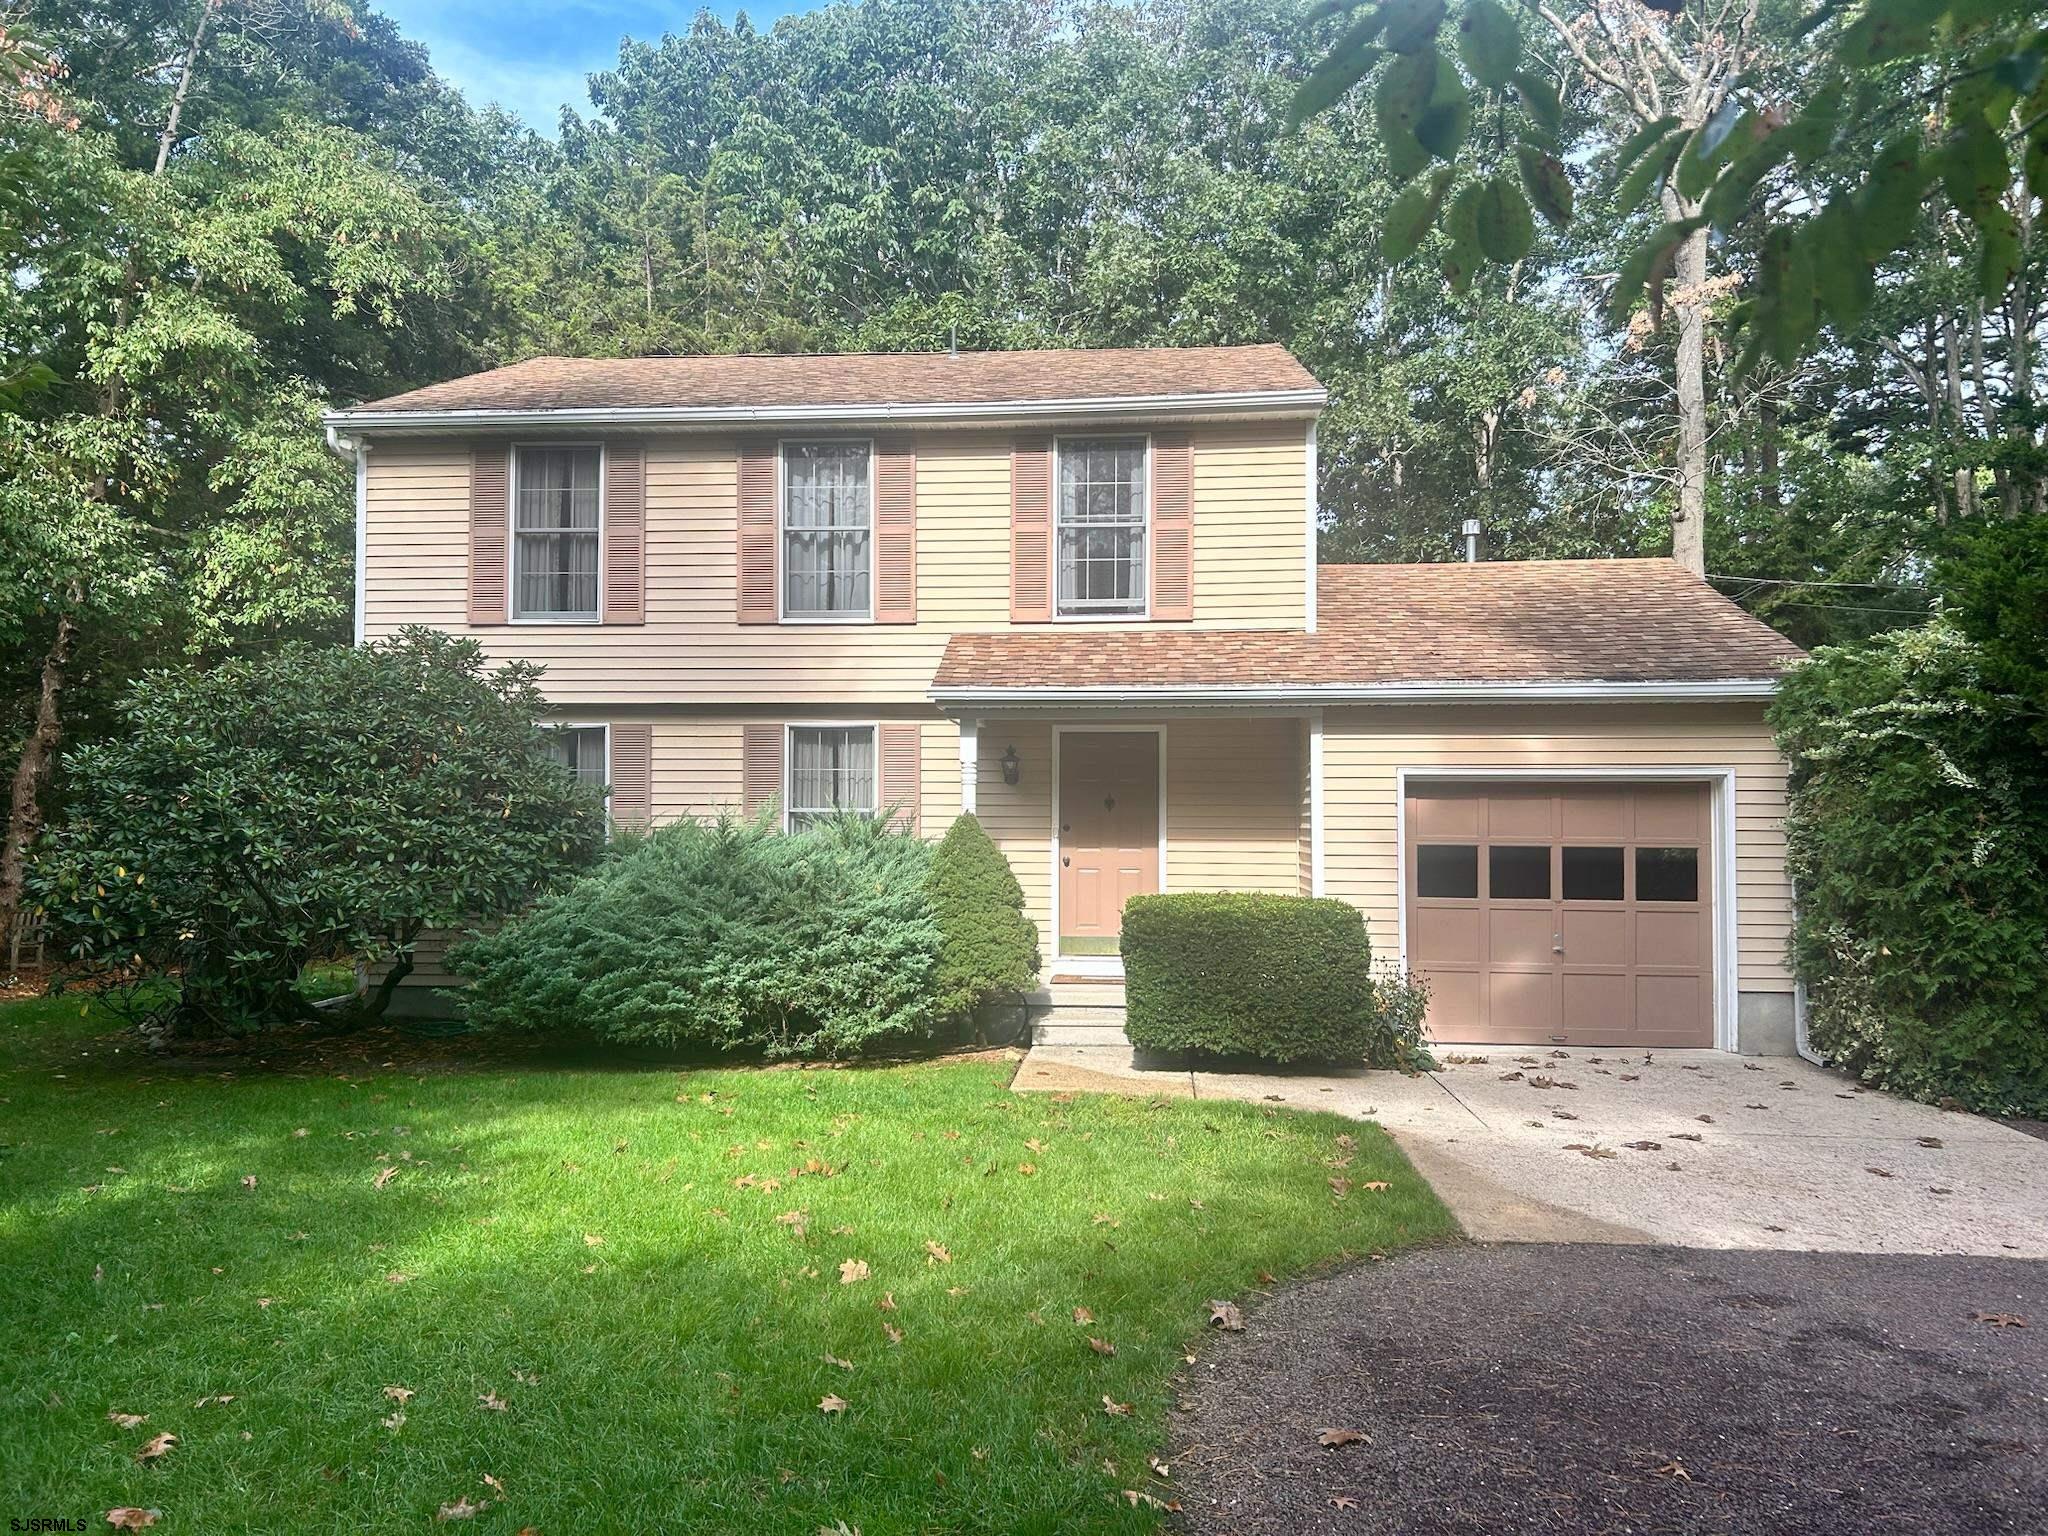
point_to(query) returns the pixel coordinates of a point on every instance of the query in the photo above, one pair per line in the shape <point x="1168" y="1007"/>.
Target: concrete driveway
<point x="1692" y="1148"/>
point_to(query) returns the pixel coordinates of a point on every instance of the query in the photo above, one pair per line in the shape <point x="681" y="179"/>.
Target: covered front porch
<point x="1094" y="807"/>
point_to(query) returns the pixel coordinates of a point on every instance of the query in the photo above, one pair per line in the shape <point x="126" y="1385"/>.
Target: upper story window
<point x="1101" y="514"/>
<point x="580" y="749"/>
<point x="827" y="537"/>
<point x="555" y="533"/>
<point x="831" y="772"/>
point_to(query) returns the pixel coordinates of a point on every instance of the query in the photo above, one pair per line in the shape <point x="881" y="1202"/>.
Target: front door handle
<point x="1557" y="943"/>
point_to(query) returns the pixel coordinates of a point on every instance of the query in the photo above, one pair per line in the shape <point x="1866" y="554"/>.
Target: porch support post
<point x="1315" y="802"/>
<point x="970" y="762"/>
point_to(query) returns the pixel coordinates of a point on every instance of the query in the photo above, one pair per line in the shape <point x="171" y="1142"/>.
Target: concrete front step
<point x="1053" y="1030"/>
<point x="1078" y="1013"/>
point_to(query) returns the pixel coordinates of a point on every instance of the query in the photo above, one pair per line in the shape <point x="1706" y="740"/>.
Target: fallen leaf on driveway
<point x="831" y="1403"/>
<point x="126" y="1420"/>
<point x="156" y="1446"/>
<point x="1225" y="1315"/>
<point x="129" y="1518"/>
<point x="1930" y="1141"/>
<point x="1330" y="1437"/>
<point x="1709" y="1119"/>
<point x="1511" y="1077"/>
<point x="1882" y="1173"/>
<point x="1644" y="1146"/>
<point x="1999" y="1319"/>
<point x="1137" y="1496"/>
<point x="1674" y="1470"/>
<point x="852" y="1270"/>
<point x="1685" y="1136"/>
<point x="1593" y="1151"/>
<point x="1563" y="1114"/>
<point x="1343" y="1501"/>
<point x="1115" y="1409"/>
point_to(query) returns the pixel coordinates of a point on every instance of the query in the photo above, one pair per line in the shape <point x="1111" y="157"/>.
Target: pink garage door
<point x="1563" y="914"/>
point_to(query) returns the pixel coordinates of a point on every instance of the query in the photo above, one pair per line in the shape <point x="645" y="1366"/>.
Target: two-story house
<point x="1077" y="593"/>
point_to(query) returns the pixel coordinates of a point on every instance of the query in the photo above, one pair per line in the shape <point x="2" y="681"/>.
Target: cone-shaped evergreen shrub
<point x="988" y="948"/>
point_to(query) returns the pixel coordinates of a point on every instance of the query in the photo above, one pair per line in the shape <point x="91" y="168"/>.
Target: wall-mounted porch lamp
<point x="1012" y="768"/>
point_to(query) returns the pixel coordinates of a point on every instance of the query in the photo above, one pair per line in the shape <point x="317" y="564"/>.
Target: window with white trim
<point x="827" y="523"/>
<point x="582" y="750"/>
<point x="1101" y="511"/>
<point x="831" y="772"/>
<point x="555" y="532"/>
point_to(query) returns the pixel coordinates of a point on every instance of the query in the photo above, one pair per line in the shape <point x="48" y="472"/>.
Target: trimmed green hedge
<point x="988" y="948"/>
<point x="1286" y="978"/>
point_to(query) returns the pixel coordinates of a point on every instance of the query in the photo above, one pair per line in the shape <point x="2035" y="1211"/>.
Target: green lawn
<point x="619" y="1292"/>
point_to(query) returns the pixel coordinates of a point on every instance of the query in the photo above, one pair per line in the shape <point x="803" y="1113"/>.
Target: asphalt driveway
<point x="1583" y="1389"/>
<point x="1693" y="1148"/>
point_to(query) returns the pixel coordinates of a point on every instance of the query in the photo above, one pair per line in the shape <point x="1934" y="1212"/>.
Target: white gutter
<point x="1119" y="695"/>
<point x="1079" y="408"/>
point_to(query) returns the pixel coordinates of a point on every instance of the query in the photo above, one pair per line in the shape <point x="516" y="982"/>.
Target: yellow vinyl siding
<point x="1019" y="816"/>
<point x="1362" y="748"/>
<point x="1232" y="805"/>
<point x="1250" y="506"/>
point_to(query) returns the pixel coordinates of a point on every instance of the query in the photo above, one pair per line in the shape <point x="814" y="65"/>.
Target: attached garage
<point x="1565" y="913"/>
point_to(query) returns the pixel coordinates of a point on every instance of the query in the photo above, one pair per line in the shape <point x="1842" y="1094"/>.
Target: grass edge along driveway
<point x="562" y="1300"/>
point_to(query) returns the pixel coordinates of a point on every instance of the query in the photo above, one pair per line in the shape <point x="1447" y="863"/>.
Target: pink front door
<point x="1109" y="833"/>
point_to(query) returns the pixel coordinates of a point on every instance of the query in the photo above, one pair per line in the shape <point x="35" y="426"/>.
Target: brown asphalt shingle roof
<point x="850" y="379"/>
<point x="1533" y="621"/>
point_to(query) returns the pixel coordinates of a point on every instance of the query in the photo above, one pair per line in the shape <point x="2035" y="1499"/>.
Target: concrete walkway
<point x="1695" y="1148"/>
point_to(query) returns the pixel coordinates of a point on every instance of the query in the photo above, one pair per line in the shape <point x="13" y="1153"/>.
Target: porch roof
<point x="1643" y="629"/>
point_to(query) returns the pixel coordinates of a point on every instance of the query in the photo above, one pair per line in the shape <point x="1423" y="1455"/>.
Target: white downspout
<point x="355" y="447"/>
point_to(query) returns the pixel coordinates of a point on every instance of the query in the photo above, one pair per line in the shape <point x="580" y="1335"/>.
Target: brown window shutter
<point x="902" y="749"/>
<point x="632" y="774"/>
<point x="757" y="532"/>
<point x="1031" y="530"/>
<point x="490" y="532"/>
<point x="625" y="533"/>
<point x="760" y="766"/>
<point x="1173" y="526"/>
<point x="895" y="531"/>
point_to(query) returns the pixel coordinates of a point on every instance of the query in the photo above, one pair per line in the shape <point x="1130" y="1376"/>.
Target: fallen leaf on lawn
<point x="399" y="1395"/>
<point x="384" y="1176"/>
<point x="590" y="1269"/>
<point x="1644" y="1146"/>
<point x="1083" y="1315"/>
<point x="935" y="1253"/>
<point x="1102" y="1346"/>
<point x="218" y="1397"/>
<point x="266" y="1301"/>
<point x="1197" y="1205"/>
<point x="394" y="1421"/>
<point x="958" y="1290"/>
<point x="493" y="1484"/>
<point x="1115" y="1409"/>
<point x="1999" y="1319"/>
<point x="1330" y="1437"/>
<point x="156" y="1446"/>
<point x="126" y="1420"/>
<point x="887" y="1303"/>
<point x="1137" y="1496"/>
<point x="1225" y="1315"/>
<point x="1104" y="1219"/>
<point x="1375" y="1186"/>
<point x="492" y="1401"/>
<point x="851" y="1270"/>
<point x="462" y="1509"/>
<point x="302" y="1131"/>
<point x="1159" y="1468"/>
<point x="526" y="1378"/>
<point x="1035" y="1145"/>
<point x="844" y="1365"/>
<point x="129" y="1518"/>
<point x="1339" y="1186"/>
<point x="397" y="1277"/>
<point x="1265" y="1277"/>
<point x="1342" y="1501"/>
<point x="895" y="1334"/>
<point x="831" y="1403"/>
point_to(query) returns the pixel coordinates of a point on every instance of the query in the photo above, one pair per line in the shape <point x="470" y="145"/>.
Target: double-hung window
<point x="827" y="530"/>
<point x="1101" y="512"/>
<point x="831" y="772"/>
<point x="581" y="749"/>
<point x="555" y="533"/>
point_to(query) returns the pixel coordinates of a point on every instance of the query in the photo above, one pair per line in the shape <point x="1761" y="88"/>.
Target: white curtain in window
<point x="831" y="768"/>
<point x="825" y="522"/>
<point x="1102" y="525"/>
<point x="555" y="532"/>
<point x="580" y="749"/>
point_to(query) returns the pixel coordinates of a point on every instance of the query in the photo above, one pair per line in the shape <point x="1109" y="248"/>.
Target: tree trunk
<point x="31" y="772"/>
<point x="1689" y="518"/>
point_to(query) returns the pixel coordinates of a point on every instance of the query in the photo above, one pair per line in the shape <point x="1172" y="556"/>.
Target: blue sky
<point x="531" y="56"/>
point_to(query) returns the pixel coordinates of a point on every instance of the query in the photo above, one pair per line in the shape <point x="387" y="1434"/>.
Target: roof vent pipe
<point x="1471" y="541"/>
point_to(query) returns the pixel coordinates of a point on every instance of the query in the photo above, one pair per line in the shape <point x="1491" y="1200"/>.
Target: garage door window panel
<point x="1447" y="871"/>
<point x="1667" y="874"/>
<point x="1594" y="874"/>
<point x="1518" y="872"/>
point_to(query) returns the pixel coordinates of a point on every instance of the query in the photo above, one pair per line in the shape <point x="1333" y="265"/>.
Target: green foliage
<point x="1283" y="978"/>
<point x="1997" y="586"/>
<point x="988" y="948"/>
<point x="1987" y="67"/>
<point x="252" y="818"/>
<point x="1918" y="829"/>
<point x="726" y="935"/>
